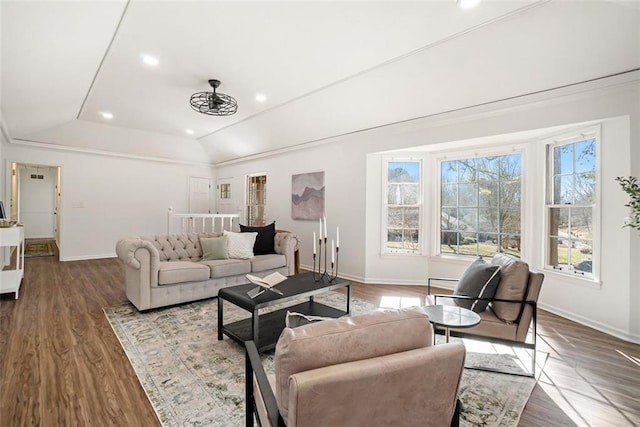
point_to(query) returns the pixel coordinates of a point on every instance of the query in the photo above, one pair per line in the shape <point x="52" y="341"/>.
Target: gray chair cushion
<point x="172" y="272"/>
<point x="479" y="280"/>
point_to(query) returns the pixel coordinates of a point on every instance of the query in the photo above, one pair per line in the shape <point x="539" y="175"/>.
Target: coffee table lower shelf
<point x="271" y="324"/>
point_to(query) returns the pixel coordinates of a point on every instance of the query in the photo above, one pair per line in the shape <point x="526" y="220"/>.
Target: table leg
<point x="219" y="319"/>
<point x="255" y="324"/>
<point x="349" y="299"/>
<point x="446" y="334"/>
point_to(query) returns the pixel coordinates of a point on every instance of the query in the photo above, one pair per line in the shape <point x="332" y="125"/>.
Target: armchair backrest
<point x="345" y="340"/>
<point x="411" y="388"/>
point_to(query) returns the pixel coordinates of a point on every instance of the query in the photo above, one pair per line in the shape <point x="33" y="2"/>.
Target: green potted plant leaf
<point x="632" y="188"/>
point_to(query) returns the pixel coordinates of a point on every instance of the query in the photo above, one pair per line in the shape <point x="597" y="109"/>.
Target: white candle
<point x="325" y="227"/>
<point x="320" y="227"/>
<point x="333" y="252"/>
<point x="314" y="243"/>
<point x="337" y="237"/>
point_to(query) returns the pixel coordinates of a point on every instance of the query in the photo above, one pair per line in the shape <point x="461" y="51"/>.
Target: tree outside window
<point x="480" y="202"/>
<point x="403" y="206"/>
<point x="571" y="203"/>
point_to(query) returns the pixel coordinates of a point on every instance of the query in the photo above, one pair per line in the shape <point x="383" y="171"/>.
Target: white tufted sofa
<point x="167" y="269"/>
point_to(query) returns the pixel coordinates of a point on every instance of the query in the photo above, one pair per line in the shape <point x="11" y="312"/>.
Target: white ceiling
<point x="327" y="68"/>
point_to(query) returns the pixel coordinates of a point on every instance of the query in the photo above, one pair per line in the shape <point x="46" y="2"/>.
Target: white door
<point x="224" y="197"/>
<point x="38" y="201"/>
<point x="199" y="195"/>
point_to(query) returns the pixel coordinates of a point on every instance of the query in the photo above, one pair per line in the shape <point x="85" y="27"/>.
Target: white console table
<point x="10" y="279"/>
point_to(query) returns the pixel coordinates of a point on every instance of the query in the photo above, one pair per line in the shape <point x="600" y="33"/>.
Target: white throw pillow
<point x="241" y="244"/>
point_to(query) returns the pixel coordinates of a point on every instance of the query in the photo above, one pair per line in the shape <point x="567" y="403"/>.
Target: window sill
<point x="571" y="278"/>
<point x="401" y="254"/>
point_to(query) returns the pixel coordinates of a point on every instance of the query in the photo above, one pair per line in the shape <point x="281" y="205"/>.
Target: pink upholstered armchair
<point x="377" y="369"/>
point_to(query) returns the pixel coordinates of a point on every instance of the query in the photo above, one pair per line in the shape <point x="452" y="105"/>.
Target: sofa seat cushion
<point x="514" y="279"/>
<point x="172" y="272"/>
<point x="227" y="267"/>
<point x="267" y="262"/>
<point x="346" y="340"/>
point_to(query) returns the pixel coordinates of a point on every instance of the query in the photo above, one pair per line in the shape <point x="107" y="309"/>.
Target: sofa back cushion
<point x="332" y="342"/>
<point x="176" y="247"/>
<point x="514" y="279"/>
<point x="264" y="244"/>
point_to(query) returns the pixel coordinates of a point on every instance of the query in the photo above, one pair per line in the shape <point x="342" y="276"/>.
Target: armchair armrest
<point x="439" y="279"/>
<point x="254" y="369"/>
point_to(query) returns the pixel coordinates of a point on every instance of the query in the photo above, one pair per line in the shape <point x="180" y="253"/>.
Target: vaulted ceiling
<point x="326" y="68"/>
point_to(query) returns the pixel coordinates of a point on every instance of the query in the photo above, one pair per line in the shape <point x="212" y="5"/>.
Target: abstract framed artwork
<point x="307" y="196"/>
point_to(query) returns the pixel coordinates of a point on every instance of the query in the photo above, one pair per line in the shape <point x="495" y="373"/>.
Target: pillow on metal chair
<point x="480" y="280"/>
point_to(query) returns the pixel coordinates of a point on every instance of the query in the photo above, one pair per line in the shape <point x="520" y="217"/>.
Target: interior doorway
<point x="36" y="201"/>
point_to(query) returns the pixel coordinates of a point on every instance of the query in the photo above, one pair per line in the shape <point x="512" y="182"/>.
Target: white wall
<point x="352" y="168"/>
<point x="105" y="198"/>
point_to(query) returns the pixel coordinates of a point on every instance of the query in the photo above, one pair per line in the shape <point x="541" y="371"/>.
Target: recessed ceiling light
<point x="150" y="60"/>
<point x="467" y="4"/>
<point x="189" y="131"/>
<point x="261" y="97"/>
<point x="106" y="115"/>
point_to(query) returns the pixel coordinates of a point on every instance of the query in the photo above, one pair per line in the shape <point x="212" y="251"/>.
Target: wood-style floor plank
<point x="61" y="364"/>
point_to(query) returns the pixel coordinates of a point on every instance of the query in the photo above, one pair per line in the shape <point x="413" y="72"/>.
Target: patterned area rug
<point x="38" y="249"/>
<point x="191" y="378"/>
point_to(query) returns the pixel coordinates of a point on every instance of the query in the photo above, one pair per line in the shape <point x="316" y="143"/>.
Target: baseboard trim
<point x="618" y="333"/>
<point x="87" y="257"/>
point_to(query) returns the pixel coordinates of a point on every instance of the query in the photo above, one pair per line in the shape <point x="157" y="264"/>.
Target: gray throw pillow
<point x="215" y="248"/>
<point x="479" y="280"/>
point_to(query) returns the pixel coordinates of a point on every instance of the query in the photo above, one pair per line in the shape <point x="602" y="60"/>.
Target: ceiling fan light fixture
<point x="213" y="103"/>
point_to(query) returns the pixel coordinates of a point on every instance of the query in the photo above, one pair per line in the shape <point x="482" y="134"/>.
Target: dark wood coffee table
<point x="264" y="329"/>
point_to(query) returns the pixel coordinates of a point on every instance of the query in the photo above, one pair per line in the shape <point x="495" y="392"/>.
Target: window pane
<point x="510" y="244"/>
<point x="393" y="194"/>
<point x="488" y="193"/>
<point x="449" y="172"/>
<point x="563" y="159"/>
<point x="581" y="222"/>
<point x="449" y="195"/>
<point x="563" y="190"/>
<point x="510" y="193"/>
<point x="409" y="194"/>
<point x="411" y="240"/>
<point x="585" y="156"/>
<point x="488" y="168"/>
<point x="449" y="242"/>
<point x="449" y="219"/>
<point x="510" y="166"/>
<point x="411" y="218"/>
<point x="394" y="217"/>
<point x="488" y="220"/>
<point x="467" y="170"/>
<point x="468" y="194"/>
<point x="510" y="220"/>
<point x="468" y="244"/>
<point x="403" y="172"/>
<point x="468" y="219"/>
<point x="585" y="189"/>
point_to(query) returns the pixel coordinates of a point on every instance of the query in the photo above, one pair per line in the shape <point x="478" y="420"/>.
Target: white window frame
<point x="385" y="207"/>
<point x="550" y="144"/>
<point x="462" y="155"/>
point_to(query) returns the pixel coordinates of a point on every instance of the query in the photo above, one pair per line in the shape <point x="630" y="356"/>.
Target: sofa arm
<point x="142" y="262"/>
<point x="126" y="250"/>
<point x="286" y="243"/>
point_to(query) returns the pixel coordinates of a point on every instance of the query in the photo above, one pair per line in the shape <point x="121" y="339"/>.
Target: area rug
<point x="191" y="378"/>
<point x="38" y="249"/>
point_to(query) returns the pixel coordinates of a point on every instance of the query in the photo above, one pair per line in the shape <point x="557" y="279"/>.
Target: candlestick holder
<point x="320" y="274"/>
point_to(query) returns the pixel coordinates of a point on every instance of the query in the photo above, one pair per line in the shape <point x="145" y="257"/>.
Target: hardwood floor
<point x="61" y="364"/>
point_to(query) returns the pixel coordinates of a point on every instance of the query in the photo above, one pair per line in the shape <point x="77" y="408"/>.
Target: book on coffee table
<point x="265" y="283"/>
